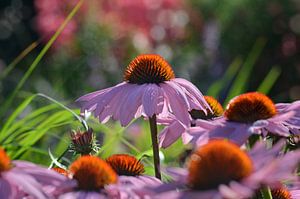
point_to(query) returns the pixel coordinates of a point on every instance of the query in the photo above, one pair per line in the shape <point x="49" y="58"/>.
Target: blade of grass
<point x="8" y="102"/>
<point x="19" y="58"/>
<point x="266" y="193"/>
<point x="240" y="82"/>
<point x="269" y="80"/>
<point x="215" y="89"/>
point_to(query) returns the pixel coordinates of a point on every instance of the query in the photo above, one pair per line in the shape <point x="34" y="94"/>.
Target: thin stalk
<point x="19" y="58"/>
<point x="153" y="129"/>
<point x="266" y="193"/>
<point x="83" y="122"/>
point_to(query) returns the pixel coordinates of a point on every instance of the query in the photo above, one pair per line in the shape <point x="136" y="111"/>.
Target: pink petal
<point x="7" y="190"/>
<point x="194" y="92"/>
<point x="177" y="102"/>
<point x="153" y="100"/>
<point x="27" y="183"/>
<point x="130" y="104"/>
<point x="170" y="134"/>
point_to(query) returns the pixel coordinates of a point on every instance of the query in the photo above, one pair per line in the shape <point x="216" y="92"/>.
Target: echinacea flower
<point x="19" y="179"/>
<point x="248" y="114"/>
<point x="174" y="129"/>
<point x="220" y="169"/>
<point x="94" y="177"/>
<point x="149" y="89"/>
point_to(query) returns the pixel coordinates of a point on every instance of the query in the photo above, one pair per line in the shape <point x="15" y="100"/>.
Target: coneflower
<point x="149" y="89"/>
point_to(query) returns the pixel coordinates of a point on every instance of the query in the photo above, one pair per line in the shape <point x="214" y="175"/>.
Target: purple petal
<point x="7" y="190"/>
<point x="130" y="104"/>
<point x="170" y="134"/>
<point x="26" y="183"/>
<point x="177" y="101"/>
<point x="153" y="100"/>
<point x="194" y="92"/>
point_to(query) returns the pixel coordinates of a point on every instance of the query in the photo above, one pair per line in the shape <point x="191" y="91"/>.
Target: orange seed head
<point x="250" y="107"/>
<point x="4" y="161"/>
<point x="148" y="69"/>
<point x="217" y="162"/>
<point x="126" y="165"/>
<point x="92" y="173"/>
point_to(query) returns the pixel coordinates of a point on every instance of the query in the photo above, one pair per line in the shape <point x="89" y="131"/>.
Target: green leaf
<point x="215" y="89"/>
<point x="240" y="82"/>
<point x="269" y="80"/>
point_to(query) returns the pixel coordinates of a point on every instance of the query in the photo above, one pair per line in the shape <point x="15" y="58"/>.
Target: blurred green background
<point x="223" y="47"/>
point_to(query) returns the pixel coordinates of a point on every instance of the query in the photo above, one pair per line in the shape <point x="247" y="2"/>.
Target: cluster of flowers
<point x="247" y="151"/>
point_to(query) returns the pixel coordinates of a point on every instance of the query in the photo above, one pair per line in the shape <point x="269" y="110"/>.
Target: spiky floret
<point x="250" y="107"/>
<point x="278" y="193"/>
<point x="83" y="142"/>
<point x="126" y="165"/>
<point x="215" y="106"/>
<point x="92" y="173"/>
<point x="148" y="69"/>
<point x="5" y="163"/>
<point x="281" y="193"/>
<point x="217" y="162"/>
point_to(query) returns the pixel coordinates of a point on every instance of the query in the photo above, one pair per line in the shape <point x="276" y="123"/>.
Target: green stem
<point x="266" y="193"/>
<point x="83" y="122"/>
<point x="153" y="129"/>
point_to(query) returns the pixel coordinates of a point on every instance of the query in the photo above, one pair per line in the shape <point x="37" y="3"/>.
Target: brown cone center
<point x="250" y="107"/>
<point x="92" y="173"/>
<point x="126" y="165"/>
<point x="148" y="69"/>
<point x="217" y="162"/>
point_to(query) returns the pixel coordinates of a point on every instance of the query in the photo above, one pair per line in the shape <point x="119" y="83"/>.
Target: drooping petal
<point x="130" y="104"/>
<point x="7" y="190"/>
<point x="170" y="134"/>
<point x="153" y="100"/>
<point x="177" y="102"/>
<point x="27" y="183"/>
<point x="194" y="91"/>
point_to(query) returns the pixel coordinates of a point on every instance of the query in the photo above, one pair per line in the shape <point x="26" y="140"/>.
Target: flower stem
<point x="153" y="129"/>
<point x="266" y="193"/>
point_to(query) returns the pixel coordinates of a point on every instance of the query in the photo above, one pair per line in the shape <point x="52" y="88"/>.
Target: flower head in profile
<point x="95" y="179"/>
<point x="220" y="169"/>
<point x="174" y="128"/>
<point x="149" y="88"/>
<point x="248" y="114"/>
<point x="20" y="178"/>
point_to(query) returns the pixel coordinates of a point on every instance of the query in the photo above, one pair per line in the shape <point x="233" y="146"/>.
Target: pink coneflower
<point x="248" y="114"/>
<point x="19" y="179"/>
<point x="175" y="129"/>
<point x="149" y="89"/>
<point x="220" y="169"/>
<point x="95" y="179"/>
